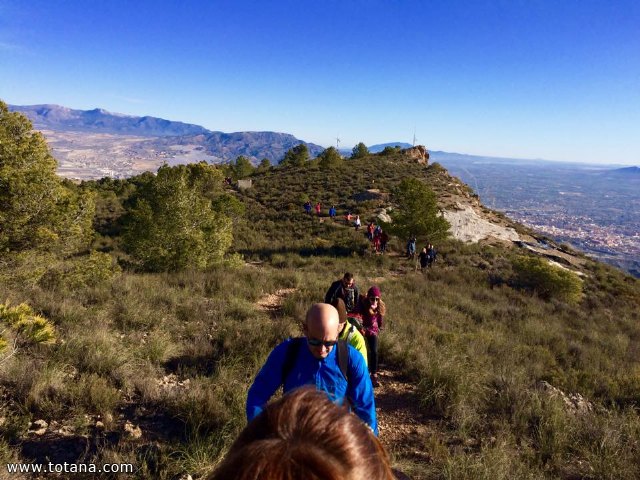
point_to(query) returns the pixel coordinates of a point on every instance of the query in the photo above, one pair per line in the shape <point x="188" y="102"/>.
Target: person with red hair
<point x="305" y="436"/>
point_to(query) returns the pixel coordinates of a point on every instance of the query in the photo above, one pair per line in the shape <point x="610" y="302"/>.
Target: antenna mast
<point x="338" y="142"/>
<point x="414" y="136"/>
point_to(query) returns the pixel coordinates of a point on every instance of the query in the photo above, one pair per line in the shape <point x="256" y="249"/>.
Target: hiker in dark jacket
<point x="424" y="258"/>
<point x="431" y="252"/>
<point x="345" y="289"/>
<point x="384" y="239"/>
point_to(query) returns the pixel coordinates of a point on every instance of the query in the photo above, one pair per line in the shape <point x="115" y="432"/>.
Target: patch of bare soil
<point x="272" y="302"/>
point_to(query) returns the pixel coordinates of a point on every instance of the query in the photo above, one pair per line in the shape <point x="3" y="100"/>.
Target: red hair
<point x="305" y="436"/>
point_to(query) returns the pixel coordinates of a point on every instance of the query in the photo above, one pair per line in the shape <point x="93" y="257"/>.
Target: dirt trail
<point x="272" y="302"/>
<point x="405" y="429"/>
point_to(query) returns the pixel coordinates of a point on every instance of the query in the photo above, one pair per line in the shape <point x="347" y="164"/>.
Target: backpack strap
<point x="343" y="358"/>
<point x="290" y="357"/>
<point x="349" y="332"/>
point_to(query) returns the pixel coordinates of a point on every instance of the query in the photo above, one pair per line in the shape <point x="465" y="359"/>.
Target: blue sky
<point x="558" y="80"/>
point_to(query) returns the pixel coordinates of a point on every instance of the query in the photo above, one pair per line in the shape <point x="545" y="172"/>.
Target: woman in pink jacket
<point x="372" y="309"/>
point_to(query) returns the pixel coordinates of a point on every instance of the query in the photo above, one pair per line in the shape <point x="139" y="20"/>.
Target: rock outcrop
<point x="470" y="227"/>
<point x="419" y="153"/>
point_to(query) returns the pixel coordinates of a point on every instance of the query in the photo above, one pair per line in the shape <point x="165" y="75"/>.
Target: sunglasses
<point x="317" y="343"/>
<point x="374" y="299"/>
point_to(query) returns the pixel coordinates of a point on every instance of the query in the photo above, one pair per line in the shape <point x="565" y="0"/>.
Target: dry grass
<point x="175" y="353"/>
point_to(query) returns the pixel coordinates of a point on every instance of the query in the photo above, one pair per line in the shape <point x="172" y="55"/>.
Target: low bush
<point x="547" y="280"/>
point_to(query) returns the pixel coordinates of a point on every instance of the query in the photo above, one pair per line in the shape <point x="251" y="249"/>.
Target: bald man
<point x="317" y="359"/>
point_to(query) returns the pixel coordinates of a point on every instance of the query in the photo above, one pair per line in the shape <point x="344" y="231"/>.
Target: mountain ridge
<point x="95" y="143"/>
<point x="99" y="120"/>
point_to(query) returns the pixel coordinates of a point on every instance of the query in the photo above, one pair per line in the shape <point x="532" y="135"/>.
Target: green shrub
<point x="547" y="280"/>
<point x="95" y="394"/>
<point x="81" y="272"/>
<point x="173" y="225"/>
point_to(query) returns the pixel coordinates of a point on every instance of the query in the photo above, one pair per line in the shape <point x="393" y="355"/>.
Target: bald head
<point x="322" y="315"/>
<point x="322" y="323"/>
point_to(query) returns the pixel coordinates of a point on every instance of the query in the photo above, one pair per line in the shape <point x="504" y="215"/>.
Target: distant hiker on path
<point x="376" y="242"/>
<point x="431" y="253"/>
<point x="423" y="257"/>
<point x="307" y="207"/>
<point x="384" y="239"/>
<point x="347" y="290"/>
<point x="370" y="228"/>
<point x="332" y="211"/>
<point x="348" y="332"/>
<point x="372" y="309"/>
<point x="317" y="359"/>
<point x="318" y="208"/>
<point x="411" y="247"/>
<point x="357" y="223"/>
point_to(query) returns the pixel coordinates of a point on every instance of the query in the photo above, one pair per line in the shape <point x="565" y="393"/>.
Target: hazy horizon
<point x="523" y="80"/>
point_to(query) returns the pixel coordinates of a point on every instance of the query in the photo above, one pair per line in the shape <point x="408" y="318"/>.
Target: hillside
<point x="484" y="377"/>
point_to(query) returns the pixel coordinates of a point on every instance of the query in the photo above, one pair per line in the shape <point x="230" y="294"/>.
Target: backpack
<point x="294" y="348"/>
<point x="356" y="323"/>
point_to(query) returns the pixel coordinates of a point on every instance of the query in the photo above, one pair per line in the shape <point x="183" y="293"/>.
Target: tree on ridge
<point x="417" y="212"/>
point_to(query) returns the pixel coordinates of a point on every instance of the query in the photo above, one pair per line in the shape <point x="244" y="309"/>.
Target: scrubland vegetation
<point x="170" y="342"/>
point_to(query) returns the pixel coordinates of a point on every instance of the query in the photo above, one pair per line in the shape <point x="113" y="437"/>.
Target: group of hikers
<point x="318" y="209"/>
<point x="427" y="255"/>
<point x="338" y="355"/>
<point x="378" y="237"/>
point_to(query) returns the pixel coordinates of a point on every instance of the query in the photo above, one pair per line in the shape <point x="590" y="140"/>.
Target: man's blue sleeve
<point x="267" y="381"/>
<point x="360" y="390"/>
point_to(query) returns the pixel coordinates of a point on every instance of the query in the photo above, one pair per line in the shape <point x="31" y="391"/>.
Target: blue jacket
<point x="325" y="374"/>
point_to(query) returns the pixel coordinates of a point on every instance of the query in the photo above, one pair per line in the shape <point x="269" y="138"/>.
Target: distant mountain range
<point x="101" y="139"/>
<point x="346" y="152"/>
<point x="55" y="117"/>
<point x="629" y="172"/>
<point x="381" y="146"/>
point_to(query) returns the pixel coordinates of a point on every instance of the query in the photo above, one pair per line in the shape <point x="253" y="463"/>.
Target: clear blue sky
<point x="549" y="79"/>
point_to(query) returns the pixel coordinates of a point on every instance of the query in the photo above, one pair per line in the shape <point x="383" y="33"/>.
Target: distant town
<point x="606" y="242"/>
<point x="596" y="211"/>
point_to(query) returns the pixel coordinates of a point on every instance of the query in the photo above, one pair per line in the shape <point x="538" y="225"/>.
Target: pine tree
<point x="173" y="224"/>
<point x="37" y="209"/>
<point x="359" y="151"/>
<point x="296" y="156"/>
<point x="417" y="212"/>
<point x="329" y="158"/>
<point x="242" y="168"/>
